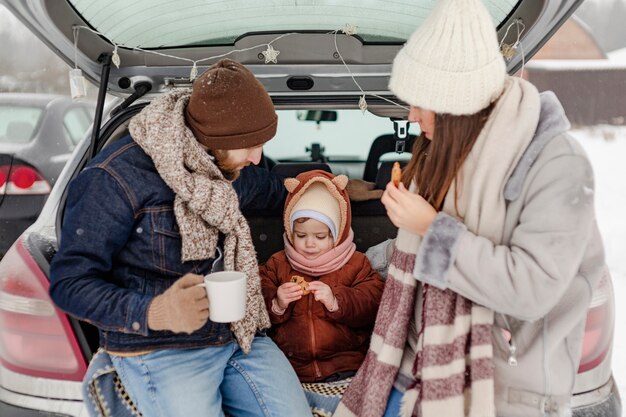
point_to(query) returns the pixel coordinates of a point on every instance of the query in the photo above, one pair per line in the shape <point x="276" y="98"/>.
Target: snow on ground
<point x="617" y="55"/>
<point x="606" y="147"/>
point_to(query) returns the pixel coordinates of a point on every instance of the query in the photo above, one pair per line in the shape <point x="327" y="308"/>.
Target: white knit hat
<point x="316" y="215"/>
<point x="317" y="198"/>
<point x="452" y="62"/>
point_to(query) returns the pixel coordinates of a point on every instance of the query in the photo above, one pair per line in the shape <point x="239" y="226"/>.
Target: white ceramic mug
<point x="227" y="292"/>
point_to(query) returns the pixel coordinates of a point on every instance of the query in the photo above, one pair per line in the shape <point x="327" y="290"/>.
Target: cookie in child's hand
<point x="302" y="283"/>
<point x="396" y="174"/>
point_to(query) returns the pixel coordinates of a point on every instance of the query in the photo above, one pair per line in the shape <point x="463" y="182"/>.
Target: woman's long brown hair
<point x="435" y="163"/>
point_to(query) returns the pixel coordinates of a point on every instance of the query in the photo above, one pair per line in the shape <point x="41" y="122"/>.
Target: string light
<point x="116" y="58"/>
<point x="349" y="29"/>
<point x="509" y="50"/>
<point x="270" y="54"/>
<point x="362" y="101"/>
<point x="78" y="84"/>
<point x="363" y="104"/>
<point x="194" y="71"/>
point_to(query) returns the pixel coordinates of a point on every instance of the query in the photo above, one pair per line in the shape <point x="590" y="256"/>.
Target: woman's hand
<point x="407" y="210"/>
<point x="324" y="295"/>
<point x="288" y="293"/>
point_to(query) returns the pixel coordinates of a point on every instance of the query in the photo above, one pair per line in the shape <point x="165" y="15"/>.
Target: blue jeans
<point x="208" y="381"/>
<point x="393" y="403"/>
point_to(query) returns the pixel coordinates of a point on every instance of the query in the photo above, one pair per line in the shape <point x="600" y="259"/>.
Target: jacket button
<point x="290" y="354"/>
<point x="136" y="326"/>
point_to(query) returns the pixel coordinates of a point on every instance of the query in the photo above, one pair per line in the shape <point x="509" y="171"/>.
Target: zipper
<point x="318" y="373"/>
<point x="546" y="368"/>
<point x="512" y="359"/>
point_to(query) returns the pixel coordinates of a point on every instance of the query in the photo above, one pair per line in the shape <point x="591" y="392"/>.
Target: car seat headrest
<point x="292" y="169"/>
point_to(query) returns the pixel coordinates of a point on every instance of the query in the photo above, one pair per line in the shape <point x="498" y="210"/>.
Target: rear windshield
<point x="169" y="23"/>
<point x="18" y="123"/>
<point x="340" y="138"/>
<point x="348" y="136"/>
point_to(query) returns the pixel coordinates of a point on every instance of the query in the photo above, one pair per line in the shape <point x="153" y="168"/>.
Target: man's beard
<point x="230" y="171"/>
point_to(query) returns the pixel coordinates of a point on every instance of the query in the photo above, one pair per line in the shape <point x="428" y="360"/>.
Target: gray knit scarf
<point x="453" y="364"/>
<point x="205" y="202"/>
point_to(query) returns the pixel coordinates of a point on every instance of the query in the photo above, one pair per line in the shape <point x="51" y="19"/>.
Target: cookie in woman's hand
<point x="396" y="174"/>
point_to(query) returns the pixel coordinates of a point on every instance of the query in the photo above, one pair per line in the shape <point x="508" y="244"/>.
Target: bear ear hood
<point x="291" y="184"/>
<point x="340" y="181"/>
<point x="336" y="187"/>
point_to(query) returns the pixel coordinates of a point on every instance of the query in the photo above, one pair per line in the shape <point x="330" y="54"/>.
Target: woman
<point x="495" y="215"/>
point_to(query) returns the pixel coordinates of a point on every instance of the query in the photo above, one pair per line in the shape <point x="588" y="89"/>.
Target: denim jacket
<point x="120" y="246"/>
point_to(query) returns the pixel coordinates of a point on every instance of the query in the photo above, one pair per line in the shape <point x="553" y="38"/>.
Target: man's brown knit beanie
<point x="230" y="109"/>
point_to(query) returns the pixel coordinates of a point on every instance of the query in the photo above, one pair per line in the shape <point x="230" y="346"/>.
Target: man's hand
<point x="324" y="295"/>
<point x="359" y="190"/>
<point x="182" y="308"/>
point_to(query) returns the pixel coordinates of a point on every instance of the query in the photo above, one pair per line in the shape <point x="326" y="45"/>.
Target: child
<point x="323" y="325"/>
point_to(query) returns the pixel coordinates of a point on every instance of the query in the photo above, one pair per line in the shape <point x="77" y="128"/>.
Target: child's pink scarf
<point x="324" y="264"/>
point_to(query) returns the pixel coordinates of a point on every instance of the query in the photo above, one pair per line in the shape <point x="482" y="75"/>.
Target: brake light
<point x="35" y="337"/>
<point x="598" y="336"/>
<point x="22" y="179"/>
<point x="4" y="173"/>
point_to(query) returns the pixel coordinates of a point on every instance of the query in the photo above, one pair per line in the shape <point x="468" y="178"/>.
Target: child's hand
<point x="324" y="295"/>
<point x="288" y="293"/>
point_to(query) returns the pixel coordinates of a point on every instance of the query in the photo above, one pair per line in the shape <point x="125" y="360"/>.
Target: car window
<point x="144" y="23"/>
<point x="18" y="123"/>
<point x="344" y="143"/>
<point x="349" y="137"/>
<point x="75" y="123"/>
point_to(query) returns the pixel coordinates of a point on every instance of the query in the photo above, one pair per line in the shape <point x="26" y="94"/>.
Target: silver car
<point x="326" y="65"/>
<point x="38" y="133"/>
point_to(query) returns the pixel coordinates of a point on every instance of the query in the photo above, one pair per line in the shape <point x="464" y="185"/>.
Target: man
<point x="144" y="222"/>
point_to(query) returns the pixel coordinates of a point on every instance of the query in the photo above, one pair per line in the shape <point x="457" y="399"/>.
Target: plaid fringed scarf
<point x="453" y="367"/>
<point x="453" y="364"/>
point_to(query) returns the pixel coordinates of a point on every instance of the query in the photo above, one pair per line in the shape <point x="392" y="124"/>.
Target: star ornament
<point x="349" y="29"/>
<point x="270" y="54"/>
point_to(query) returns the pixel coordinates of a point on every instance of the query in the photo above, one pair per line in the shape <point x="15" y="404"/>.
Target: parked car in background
<point x="38" y="133"/>
<point x="43" y="352"/>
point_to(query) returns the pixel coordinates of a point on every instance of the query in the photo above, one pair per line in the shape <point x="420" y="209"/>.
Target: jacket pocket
<point x="504" y="346"/>
<point x="166" y="243"/>
<point x="513" y="338"/>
